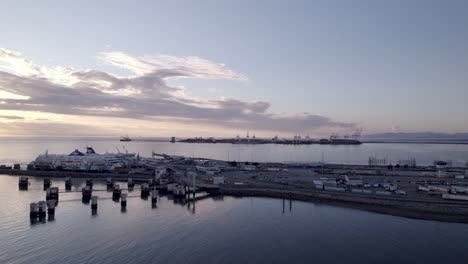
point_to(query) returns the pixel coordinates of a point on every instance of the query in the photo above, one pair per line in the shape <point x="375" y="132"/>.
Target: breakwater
<point x="413" y="208"/>
<point x="257" y="141"/>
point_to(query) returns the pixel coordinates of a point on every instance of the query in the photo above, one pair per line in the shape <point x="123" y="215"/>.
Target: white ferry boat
<point x="84" y="161"/>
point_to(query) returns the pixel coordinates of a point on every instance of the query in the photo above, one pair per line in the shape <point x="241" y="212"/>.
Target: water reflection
<point x="51" y="217"/>
<point x="290" y="205"/>
<point x="38" y="220"/>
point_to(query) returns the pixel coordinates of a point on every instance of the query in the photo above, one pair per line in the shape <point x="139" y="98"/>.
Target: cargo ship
<point x="125" y="138"/>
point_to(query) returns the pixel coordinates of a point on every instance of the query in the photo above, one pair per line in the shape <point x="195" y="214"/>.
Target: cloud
<point x="144" y="95"/>
<point x="167" y="66"/>
<point x="11" y="117"/>
<point x="14" y="63"/>
<point x="52" y="129"/>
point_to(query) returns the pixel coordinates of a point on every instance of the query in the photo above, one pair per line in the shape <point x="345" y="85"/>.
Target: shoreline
<point x="427" y="142"/>
<point x="434" y="211"/>
<point x="404" y="206"/>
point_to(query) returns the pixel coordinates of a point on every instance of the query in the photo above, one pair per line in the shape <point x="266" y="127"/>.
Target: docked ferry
<point x="83" y="161"/>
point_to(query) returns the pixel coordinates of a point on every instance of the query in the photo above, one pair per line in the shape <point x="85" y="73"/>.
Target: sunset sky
<point x="221" y="68"/>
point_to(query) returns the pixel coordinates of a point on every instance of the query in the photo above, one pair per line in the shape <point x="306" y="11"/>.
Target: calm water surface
<point x="228" y="230"/>
<point x="24" y="149"/>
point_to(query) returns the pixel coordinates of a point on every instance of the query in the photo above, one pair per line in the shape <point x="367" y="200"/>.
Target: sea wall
<point x="429" y="210"/>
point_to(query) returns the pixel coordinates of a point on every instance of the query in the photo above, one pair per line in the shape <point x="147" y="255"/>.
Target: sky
<point x="222" y="68"/>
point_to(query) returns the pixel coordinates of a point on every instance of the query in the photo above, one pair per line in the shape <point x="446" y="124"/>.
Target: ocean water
<point x="218" y="229"/>
<point x="214" y="230"/>
<point x="24" y="149"/>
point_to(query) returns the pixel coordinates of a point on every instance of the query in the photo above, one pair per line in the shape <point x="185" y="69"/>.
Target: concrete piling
<point x="52" y="193"/>
<point x="23" y="183"/>
<point x="116" y="192"/>
<point x="51" y="217"/>
<point x="42" y="209"/>
<point x="33" y="210"/>
<point x="123" y="200"/>
<point x="68" y="183"/>
<point x="89" y="183"/>
<point x="130" y="183"/>
<point x="94" y="202"/>
<point x="145" y="190"/>
<point x="150" y="182"/>
<point x="51" y="206"/>
<point x="47" y="183"/>
<point x="86" y="192"/>
<point x="178" y="191"/>
<point x="109" y="183"/>
<point x="154" y="195"/>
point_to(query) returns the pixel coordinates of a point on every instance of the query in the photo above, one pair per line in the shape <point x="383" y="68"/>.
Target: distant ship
<point x="125" y="138"/>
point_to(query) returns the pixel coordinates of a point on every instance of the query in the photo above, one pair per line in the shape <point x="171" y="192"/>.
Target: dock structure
<point x="178" y="191"/>
<point x="68" y="183"/>
<point x="130" y="183"/>
<point x="154" y="195"/>
<point x="109" y="183"/>
<point x="51" y="206"/>
<point x="52" y="193"/>
<point x="89" y="183"/>
<point x="361" y="183"/>
<point x="47" y="183"/>
<point x="145" y="190"/>
<point x="33" y="210"/>
<point x="150" y="182"/>
<point x="116" y="192"/>
<point x="207" y="187"/>
<point x="23" y="183"/>
<point x="170" y="187"/>
<point x="123" y="200"/>
<point x="374" y="161"/>
<point x="42" y="209"/>
<point x="94" y="202"/>
<point x="86" y="192"/>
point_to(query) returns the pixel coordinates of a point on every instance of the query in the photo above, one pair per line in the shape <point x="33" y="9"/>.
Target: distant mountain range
<point x="419" y="136"/>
